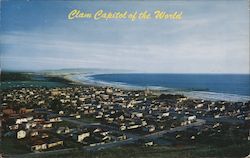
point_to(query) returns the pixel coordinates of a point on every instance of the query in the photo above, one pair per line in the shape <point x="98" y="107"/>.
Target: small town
<point x="97" y="118"/>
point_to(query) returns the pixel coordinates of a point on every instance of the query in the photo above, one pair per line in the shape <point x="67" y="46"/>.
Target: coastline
<point x="180" y="110"/>
<point x="87" y="79"/>
<point x="74" y="78"/>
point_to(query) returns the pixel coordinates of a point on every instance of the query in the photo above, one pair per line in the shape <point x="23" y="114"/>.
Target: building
<point x="38" y="145"/>
<point x="21" y="134"/>
<point x="80" y="136"/>
<point x="54" y="142"/>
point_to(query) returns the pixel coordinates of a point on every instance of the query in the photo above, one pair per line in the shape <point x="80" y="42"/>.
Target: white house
<point x="191" y="118"/>
<point x="21" y="134"/>
<point x="81" y="136"/>
<point x="38" y="145"/>
<point x="149" y="128"/>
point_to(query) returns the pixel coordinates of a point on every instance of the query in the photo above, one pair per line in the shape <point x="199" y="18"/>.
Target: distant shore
<point x="86" y="79"/>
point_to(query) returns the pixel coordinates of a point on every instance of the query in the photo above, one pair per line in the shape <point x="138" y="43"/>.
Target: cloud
<point x="196" y="55"/>
<point x="211" y="40"/>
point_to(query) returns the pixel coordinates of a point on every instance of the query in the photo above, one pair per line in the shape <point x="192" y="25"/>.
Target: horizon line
<point x="124" y="71"/>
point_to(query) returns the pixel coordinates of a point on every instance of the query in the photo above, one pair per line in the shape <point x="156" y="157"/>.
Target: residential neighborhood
<point x="92" y="118"/>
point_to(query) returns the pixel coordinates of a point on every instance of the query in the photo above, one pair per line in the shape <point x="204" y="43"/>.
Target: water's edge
<point x="89" y="79"/>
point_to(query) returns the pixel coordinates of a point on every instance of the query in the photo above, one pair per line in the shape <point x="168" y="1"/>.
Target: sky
<point x="212" y="36"/>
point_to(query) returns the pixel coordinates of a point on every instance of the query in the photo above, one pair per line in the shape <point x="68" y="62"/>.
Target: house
<point x="13" y="127"/>
<point x="96" y="143"/>
<point x="99" y="116"/>
<point x="109" y="91"/>
<point x="146" y="142"/>
<point x="21" y="134"/>
<point x="130" y="104"/>
<point x="137" y="114"/>
<point x="92" y="141"/>
<point x="199" y="106"/>
<point x="63" y="130"/>
<point x="55" y="92"/>
<point x="109" y="119"/>
<point x="149" y="128"/>
<point x="96" y="130"/>
<point x="165" y="114"/>
<point x="23" y="119"/>
<point x="46" y="125"/>
<point x="191" y="118"/>
<point x="117" y="136"/>
<point x="149" y="143"/>
<point x="80" y="136"/>
<point x="29" y="125"/>
<point x="77" y="116"/>
<point x="61" y="112"/>
<point x="54" y="142"/>
<point x="34" y="133"/>
<point x="101" y="137"/>
<point x="38" y="145"/>
<point x="44" y="135"/>
<point x="122" y="127"/>
<point x="104" y="97"/>
<point x="185" y="122"/>
<point x="54" y="118"/>
<point x="133" y="126"/>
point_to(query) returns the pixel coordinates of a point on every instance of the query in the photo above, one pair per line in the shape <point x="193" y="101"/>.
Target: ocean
<point x="217" y="83"/>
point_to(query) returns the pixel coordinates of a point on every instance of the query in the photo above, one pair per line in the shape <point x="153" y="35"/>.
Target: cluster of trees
<point x="15" y="76"/>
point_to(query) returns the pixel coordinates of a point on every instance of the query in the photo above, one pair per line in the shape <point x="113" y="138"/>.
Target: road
<point x="41" y="154"/>
<point x="224" y="120"/>
<point x="79" y="122"/>
<point x="130" y="140"/>
<point x="111" y="128"/>
<point x="155" y="135"/>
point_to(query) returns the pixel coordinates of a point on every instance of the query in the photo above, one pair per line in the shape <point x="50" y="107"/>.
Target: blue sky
<point x="212" y="37"/>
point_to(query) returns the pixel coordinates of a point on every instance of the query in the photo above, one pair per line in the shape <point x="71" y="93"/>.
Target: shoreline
<point x="87" y="79"/>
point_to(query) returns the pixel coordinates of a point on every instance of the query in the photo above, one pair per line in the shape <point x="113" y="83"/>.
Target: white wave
<point x="90" y="80"/>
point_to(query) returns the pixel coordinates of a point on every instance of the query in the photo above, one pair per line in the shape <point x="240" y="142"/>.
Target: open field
<point x="13" y="146"/>
<point x="12" y="80"/>
<point x="156" y="152"/>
